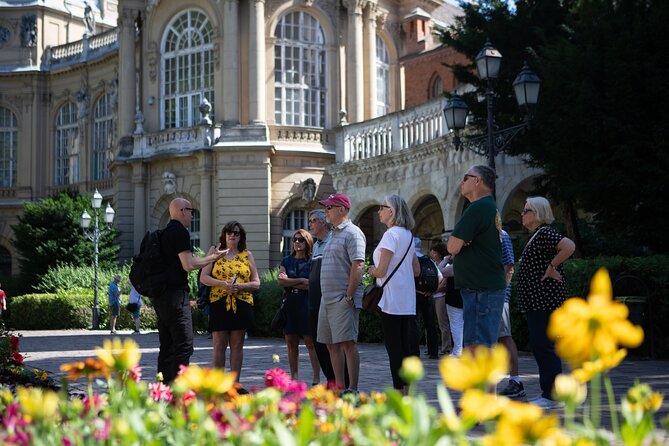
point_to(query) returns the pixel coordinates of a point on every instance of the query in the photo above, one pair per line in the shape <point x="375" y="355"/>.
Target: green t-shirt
<point x="478" y="265"/>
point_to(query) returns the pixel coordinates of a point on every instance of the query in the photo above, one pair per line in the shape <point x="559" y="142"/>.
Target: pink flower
<point x="188" y="397"/>
<point x="98" y="402"/>
<point x="298" y="388"/>
<point x="277" y="378"/>
<point x="135" y="373"/>
<point x="288" y="405"/>
<point x="67" y="442"/>
<point x="160" y="391"/>
<point x="103" y="432"/>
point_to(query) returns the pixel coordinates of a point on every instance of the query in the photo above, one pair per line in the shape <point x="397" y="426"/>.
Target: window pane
<point x="8" y="144"/>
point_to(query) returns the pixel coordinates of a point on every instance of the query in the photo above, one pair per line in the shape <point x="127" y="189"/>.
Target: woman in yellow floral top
<point x="232" y="279"/>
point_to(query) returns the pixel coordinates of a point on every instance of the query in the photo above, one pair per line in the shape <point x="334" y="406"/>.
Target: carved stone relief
<point x="4" y="36"/>
<point x="29" y="30"/>
<point x="152" y="58"/>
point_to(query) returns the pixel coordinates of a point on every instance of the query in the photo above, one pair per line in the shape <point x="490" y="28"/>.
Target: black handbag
<point x="279" y="319"/>
<point x="373" y="293"/>
<point x="202" y="293"/>
<point x="132" y="307"/>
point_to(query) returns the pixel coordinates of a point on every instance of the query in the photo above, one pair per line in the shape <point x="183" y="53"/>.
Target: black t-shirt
<point x="315" y="282"/>
<point x="173" y="240"/>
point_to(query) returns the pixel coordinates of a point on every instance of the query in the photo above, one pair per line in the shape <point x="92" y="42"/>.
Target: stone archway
<point x="511" y="218"/>
<point x="429" y="221"/>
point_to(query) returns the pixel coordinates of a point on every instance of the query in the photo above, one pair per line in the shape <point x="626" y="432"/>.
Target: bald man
<point x="175" y="324"/>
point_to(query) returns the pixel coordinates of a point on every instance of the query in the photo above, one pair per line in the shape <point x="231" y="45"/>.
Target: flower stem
<point x="612" y="405"/>
<point x="596" y="399"/>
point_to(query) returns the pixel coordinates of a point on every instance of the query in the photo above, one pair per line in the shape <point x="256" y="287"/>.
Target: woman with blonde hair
<point x="232" y="278"/>
<point x="294" y="277"/>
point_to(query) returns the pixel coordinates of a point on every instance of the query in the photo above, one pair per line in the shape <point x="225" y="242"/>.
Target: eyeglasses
<point x="299" y="240"/>
<point x="235" y="233"/>
<point x="191" y="210"/>
<point x="526" y="210"/>
<point x="381" y="206"/>
<point x="468" y="176"/>
<point x="313" y="220"/>
<point x="330" y="206"/>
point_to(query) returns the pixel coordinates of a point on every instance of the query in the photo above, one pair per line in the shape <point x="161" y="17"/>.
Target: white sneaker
<point x="545" y="403"/>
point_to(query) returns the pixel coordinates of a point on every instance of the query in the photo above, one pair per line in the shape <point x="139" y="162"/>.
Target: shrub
<point x="68" y="277"/>
<point x="266" y="302"/>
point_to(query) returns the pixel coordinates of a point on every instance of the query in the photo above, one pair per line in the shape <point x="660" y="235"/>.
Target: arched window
<point x="188" y="69"/>
<point x="5" y="262"/>
<point x="102" y="137"/>
<point x="195" y="230"/>
<point x="382" y="78"/>
<point x="296" y="219"/>
<point x="8" y="144"/>
<point x="67" y="146"/>
<point x="299" y="71"/>
<point x="437" y="88"/>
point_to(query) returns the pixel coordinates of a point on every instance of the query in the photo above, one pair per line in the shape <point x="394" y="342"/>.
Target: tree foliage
<point x="49" y="234"/>
<point x="600" y="133"/>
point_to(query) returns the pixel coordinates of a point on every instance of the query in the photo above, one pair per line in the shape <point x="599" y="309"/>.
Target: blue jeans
<point x="543" y="350"/>
<point x="482" y="314"/>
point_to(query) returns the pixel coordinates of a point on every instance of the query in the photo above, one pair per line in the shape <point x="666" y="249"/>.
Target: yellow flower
<point x="481" y="406"/>
<point x="412" y="369"/>
<point x="591" y="368"/>
<point x="89" y="368"/>
<point x="121" y="356"/>
<point x="205" y="382"/>
<point x="37" y="404"/>
<point x="569" y="389"/>
<point x="587" y="330"/>
<point x="522" y="423"/>
<point x="487" y="366"/>
<point x="641" y="398"/>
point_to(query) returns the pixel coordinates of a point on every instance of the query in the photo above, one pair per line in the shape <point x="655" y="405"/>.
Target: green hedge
<point x="70" y="310"/>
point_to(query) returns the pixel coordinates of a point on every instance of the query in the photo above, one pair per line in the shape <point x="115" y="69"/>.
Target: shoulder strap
<point x="398" y="265"/>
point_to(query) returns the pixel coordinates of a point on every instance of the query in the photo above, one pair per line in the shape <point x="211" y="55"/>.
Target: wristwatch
<point x="348" y="298"/>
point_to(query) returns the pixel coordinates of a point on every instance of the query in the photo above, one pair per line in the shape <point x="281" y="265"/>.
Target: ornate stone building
<point x="252" y="109"/>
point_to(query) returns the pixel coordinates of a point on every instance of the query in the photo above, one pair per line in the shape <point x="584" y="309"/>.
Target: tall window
<point x="188" y="69"/>
<point x="102" y="137"/>
<point x="437" y="88"/>
<point x="297" y="219"/>
<point x="195" y="230"/>
<point x="299" y="71"/>
<point x="382" y="78"/>
<point x="8" y="145"/>
<point x="67" y="146"/>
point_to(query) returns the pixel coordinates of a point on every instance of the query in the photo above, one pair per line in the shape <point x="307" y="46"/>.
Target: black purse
<point x="373" y="293"/>
<point x="202" y="293"/>
<point x="279" y="319"/>
<point x="131" y="307"/>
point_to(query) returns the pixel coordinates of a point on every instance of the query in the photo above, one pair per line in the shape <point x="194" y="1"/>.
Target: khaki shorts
<point x="338" y="322"/>
<point x="505" y="325"/>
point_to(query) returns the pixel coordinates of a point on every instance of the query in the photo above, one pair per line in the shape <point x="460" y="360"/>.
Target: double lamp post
<point x="95" y="234"/>
<point x="526" y="88"/>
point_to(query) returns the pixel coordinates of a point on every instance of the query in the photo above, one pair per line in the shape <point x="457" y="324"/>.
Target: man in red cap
<point x="341" y="285"/>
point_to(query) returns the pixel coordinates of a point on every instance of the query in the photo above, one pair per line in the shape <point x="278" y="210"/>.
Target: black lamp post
<point x="95" y="235"/>
<point x="526" y="88"/>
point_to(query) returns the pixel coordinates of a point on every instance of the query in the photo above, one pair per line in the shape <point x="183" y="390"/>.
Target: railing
<point x="304" y="135"/>
<point x="82" y="50"/>
<point x="7" y="192"/>
<point x="393" y="132"/>
<point x="175" y="140"/>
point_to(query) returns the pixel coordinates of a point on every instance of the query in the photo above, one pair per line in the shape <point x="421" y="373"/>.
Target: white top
<point x="399" y="294"/>
<point x="135" y="297"/>
<point x="440" y="276"/>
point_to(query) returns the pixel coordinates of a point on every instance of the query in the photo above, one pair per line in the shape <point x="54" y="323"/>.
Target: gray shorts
<point x="338" y="322"/>
<point x="505" y="325"/>
<point x="115" y="309"/>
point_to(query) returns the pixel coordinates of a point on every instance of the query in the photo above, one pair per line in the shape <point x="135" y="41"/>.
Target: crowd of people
<point x="322" y="288"/>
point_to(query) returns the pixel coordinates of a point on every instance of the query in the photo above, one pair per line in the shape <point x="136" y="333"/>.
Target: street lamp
<point x="526" y="88"/>
<point x="95" y="235"/>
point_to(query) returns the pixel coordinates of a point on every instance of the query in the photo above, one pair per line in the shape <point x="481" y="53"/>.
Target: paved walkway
<point x="47" y="350"/>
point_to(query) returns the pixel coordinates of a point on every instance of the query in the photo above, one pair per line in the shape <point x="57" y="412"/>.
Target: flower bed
<point x="203" y="405"/>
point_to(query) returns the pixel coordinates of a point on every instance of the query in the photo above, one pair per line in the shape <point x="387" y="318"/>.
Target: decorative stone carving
<point x="169" y="183"/>
<point x="139" y="122"/>
<point x="205" y="110"/>
<point x="4" y="35"/>
<point x="152" y="58"/>
<point x="308" y="189"/>
<point x="82" y="104"/>
<point x="89" y="20"/>
<point x="29" y="30"/>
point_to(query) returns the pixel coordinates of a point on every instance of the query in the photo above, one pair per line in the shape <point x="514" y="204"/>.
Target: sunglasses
<point x="526" y="210"/>
<point x="235" y="233"/>
<point x="191" y="210"/>
<point x="313" y="220"/>
<point x="330" y="206"/>
<point x="299" y="240"/>
<point x="468" y="176"/>
<point x="382" y="206"/>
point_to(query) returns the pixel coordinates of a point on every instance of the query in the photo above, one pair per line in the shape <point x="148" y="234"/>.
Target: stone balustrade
<point x="81" y="50"/>
<point x="302" y="135"/>
<point x="393" y="132"/>
<point x="175" y="140"/>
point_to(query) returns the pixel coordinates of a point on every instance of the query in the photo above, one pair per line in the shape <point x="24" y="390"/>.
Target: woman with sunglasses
<point x="294" y="277"/>
<point x="232" y="278"/>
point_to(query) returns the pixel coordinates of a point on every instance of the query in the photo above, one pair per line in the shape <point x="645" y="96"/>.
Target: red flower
<point x="160" y="391"/>
<point x="17" y="358"/>
<point x="14" y="343"/>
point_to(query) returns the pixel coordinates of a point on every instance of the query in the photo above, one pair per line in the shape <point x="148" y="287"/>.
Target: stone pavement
<point x="47" y="350"/>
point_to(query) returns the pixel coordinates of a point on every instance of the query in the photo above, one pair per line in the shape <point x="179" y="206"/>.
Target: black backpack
<point x="428" y="281"/>
<point x="148" y="273"/>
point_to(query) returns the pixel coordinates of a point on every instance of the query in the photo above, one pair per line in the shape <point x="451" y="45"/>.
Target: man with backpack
<point x="426" y="284"/>
<point x="175" y="324"/>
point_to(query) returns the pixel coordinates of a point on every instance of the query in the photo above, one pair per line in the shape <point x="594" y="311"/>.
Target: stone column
<point x="257" y="62"/>
<point x="370" y="65"/>
<point x="206" y="206"/>
<point x="354" y="58"/>
<point x="231" y="63"/>
<point x="139" y="200"/>
<point x="127" y="98"/>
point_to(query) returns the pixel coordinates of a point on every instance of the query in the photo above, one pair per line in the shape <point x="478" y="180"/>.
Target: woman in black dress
<point x="541" y="289"/>
<point x="294" y="277"/>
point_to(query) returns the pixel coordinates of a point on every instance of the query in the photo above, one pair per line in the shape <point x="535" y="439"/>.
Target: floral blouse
<point x="533" y="293"/>
<point x="225" y="269"/>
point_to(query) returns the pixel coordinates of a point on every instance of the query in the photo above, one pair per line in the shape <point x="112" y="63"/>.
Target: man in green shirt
<point x="477" y="266"/>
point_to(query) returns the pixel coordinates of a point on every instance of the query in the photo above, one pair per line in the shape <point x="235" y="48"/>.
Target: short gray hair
<point x="319" y="214"/>
<point x="487" y="175"/>
<point x="401" y="214"/>
<point x="542" y="209"/>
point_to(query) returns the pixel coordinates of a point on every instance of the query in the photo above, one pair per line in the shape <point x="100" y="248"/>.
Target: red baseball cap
<point x="337" y="200"/>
